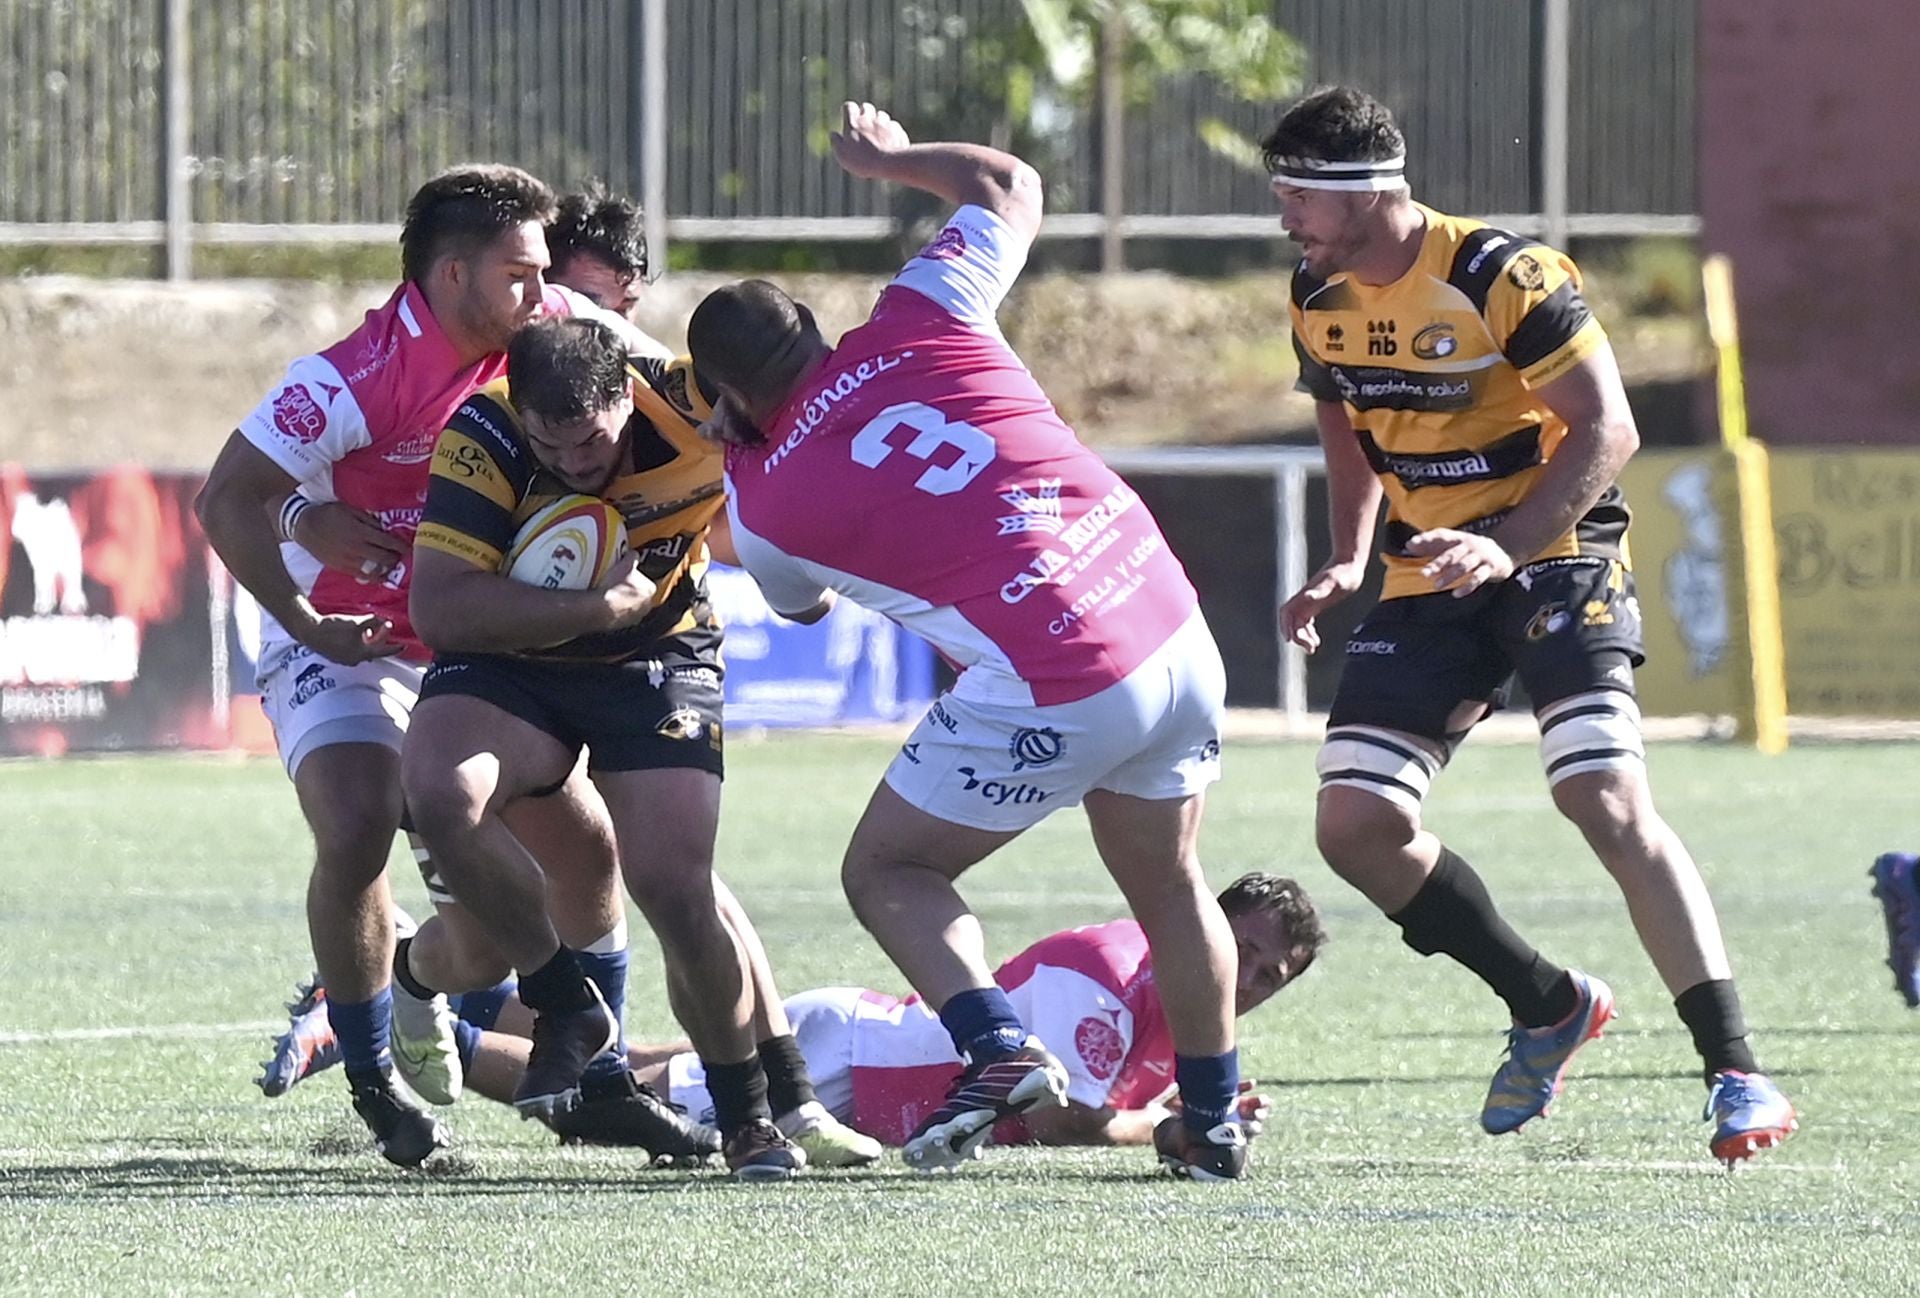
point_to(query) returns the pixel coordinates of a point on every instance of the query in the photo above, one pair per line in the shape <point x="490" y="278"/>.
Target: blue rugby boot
<point x="1898" y="889"/>
<point x="1536" y="1064"/>
<point x="1749" y="1114"/>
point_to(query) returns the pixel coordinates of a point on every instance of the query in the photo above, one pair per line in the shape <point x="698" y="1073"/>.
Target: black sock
<point x="1711" y="1011"/>
<point x="403" y="973"/>
<point x="788" y="1084"/>
<point x="1453" y="915"/>
<point x="739" y="1093"/>
<point x="556" y="987"/>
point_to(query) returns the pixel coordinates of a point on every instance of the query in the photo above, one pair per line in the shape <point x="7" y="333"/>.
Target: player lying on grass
<point x="881" y="1064"/>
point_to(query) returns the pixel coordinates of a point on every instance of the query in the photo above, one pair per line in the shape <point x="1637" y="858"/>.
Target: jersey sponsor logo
<point x="947" y="245"/>
<point x="1001" y="792"/>
<point x="312" y="682"/>
<point x="821" y="404"/>
<point x="1486" y="250"/>
<point x="1038" y="510"/>
<point x="1435" y="342"/>
<point x="659" y="673"/>
<point x="1380" y="339"/>
<point x="297" y="415"/>
<point x="508" y="443"/>
<point x="1526" y="273"/>
<point x="1421" y="471"/>
<point x="1210" y="751"/>
<point x="1370" y="387"/>
<point x="463" y="460"/>
<point x="1035" y="746"/>
<point x="1336" y="338"/>
<point x="911" y="752"/>
<point x="373" y="358"/>
<point x="1087" y="537"/>
<point x="1100" y="1047"/>
<point x="943" y="718"/>
<point x="1382" y="648"/>
<point x="417" y="449"/>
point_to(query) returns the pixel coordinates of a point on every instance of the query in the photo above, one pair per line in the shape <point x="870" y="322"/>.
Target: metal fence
<point x="277" y="120"/>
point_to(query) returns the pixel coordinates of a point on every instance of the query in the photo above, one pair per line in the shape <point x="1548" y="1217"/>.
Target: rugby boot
<point x="1748" y="1113"/>
<point x="425" y="1052"/>
<point x="828" y="1142"/>
<point x="404" y="1133"/>
<point x="1536" y="1064"/>
<point x="563" y="1046"/>
<point x="756" y="1151"/>
<point x="1000" y="1088"/>
<point x="1218" y="1155"/>
<point x="308" y="1046"/>
<point x="619" y="1109"/>
<point x="1896" y="884"/>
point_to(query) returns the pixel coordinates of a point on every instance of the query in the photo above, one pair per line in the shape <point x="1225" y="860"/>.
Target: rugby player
<point x="340" y="665"/>
<point x="882" y="1064"/>
<point x="918" y="469"/>
<point x="524" y="678"/>
<point x="1458" y="372"/>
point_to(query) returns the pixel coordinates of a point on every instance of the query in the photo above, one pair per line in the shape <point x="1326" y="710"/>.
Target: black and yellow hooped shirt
<point x="1438" y="371"/>
<point x="486" y="482"/>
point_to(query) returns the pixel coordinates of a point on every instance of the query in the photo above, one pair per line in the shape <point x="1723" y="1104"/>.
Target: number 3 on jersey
<point x="932" y="431"/>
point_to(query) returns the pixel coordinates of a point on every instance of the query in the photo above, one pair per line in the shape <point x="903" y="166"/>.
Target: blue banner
<point x="853" y="667"/>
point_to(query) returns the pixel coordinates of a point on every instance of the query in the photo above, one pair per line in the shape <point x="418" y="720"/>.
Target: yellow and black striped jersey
<point x="1438" y="371"/>
<point x="486" y="482"/>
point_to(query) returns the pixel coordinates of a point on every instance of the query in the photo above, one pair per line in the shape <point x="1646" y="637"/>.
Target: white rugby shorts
<point x="313" y="702"/>
<point x="1154" y="734"/>
<point x="822" y="1026"/>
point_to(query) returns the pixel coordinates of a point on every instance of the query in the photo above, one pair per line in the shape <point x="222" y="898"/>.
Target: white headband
<point x="1319" y="173"/>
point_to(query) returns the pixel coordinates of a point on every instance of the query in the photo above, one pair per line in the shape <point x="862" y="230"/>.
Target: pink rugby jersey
<point x="356" y="423"/>
<point x="1088" y="993"/>
<point x="923" y="473"/>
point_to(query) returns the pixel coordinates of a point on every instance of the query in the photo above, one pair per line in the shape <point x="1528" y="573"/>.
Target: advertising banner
<point x="120" y="630"/>
<point x="1685" y="542"/>
<point x="104" y="614"/>
<point x="1847" y="528"/>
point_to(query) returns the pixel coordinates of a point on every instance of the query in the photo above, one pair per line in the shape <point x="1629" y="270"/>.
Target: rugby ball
<point x="570" y="544"/>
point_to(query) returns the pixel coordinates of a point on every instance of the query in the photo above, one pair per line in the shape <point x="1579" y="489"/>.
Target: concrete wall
<point x="1810" y="181"/>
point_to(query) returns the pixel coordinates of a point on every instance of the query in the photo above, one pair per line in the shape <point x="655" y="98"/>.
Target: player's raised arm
<point x="871" y="145"/>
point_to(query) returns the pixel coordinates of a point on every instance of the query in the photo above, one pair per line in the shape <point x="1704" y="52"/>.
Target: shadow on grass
<point x="166" y="1176"/>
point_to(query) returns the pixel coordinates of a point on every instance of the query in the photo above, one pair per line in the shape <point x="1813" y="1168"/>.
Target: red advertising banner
<point x="109" y="604"/>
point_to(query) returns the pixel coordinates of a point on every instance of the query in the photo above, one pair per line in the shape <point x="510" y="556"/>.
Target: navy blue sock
<point x="466" y="1037"/>
<point x="363" y="1028"/>
<point x="608" y="969"/>
<point x="482" y="1008"/>
<point x="982" y="1024"/>
<point x="1208" y="1085"/>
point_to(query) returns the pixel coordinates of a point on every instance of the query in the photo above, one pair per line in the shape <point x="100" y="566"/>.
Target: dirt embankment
<point x="100" y="371"/>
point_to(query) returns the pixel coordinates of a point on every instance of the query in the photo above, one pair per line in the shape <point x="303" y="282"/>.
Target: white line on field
<point x="168" y="1030"/>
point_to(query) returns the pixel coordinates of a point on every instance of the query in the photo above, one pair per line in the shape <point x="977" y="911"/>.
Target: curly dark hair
<point x="1334" y="124"/>
<point x="1281" y="896"/>
<point x="602" y="224"/>
<point x="566" y="369"/>
<point x="463" y="209"/>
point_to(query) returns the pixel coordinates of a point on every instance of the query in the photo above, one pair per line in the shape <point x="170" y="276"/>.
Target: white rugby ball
<point x="570" y="544"/>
